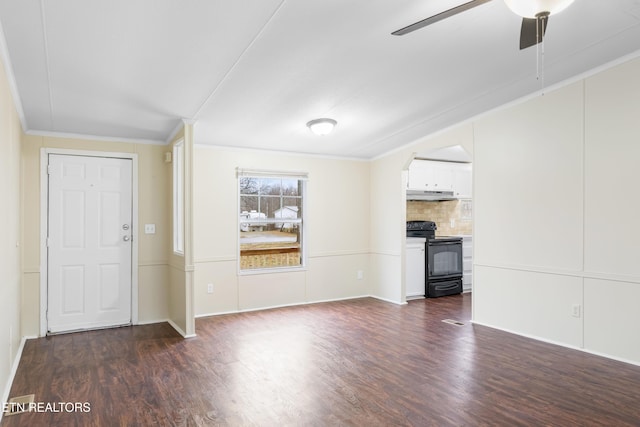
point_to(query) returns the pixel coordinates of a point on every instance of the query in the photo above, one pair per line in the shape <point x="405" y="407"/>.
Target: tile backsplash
<point x="442" y="213"/>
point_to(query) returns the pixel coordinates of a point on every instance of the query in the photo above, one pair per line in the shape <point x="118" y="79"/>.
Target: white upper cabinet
<point x="420" y="175"/>
<point x="462" y="180"/>
<point x="431" y="175"/>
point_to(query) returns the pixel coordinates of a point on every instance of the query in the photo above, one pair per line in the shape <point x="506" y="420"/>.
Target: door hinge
<point x="48" y="169"/>
<point x="48" y="241"/>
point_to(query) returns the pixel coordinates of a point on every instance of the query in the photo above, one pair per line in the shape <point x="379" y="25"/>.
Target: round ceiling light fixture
<point x="533" y="8"/>
<point x="322" y="126"/>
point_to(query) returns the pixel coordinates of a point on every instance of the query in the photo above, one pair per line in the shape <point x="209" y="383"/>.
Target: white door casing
<point x="89" y="243"/>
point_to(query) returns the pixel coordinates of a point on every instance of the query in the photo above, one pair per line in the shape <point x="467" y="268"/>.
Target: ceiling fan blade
<point x="439" y="17"/>
<point x="532" y="31"/>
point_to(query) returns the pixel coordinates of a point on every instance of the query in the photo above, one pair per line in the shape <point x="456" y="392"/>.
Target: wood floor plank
<point x="353" y="363"/>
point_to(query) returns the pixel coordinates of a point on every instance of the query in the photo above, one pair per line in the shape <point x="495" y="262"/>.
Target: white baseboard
<point x="388" y="300"/>
<point x="151" y="322"/>
<point x="271" y="307"/>
<point x="179" y="329"/>
<point x="572" y="347"/>
<point x="14" y="370"/>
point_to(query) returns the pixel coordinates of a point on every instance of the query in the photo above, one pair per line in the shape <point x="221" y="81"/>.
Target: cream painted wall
<point x="154" y="201"/>
<point x="153" y="208"/>
<point x="336" y="225"/>
<point x="555" y="226"/>
<point x="10" y="257"/>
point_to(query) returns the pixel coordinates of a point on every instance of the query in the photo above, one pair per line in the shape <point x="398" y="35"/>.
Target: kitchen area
<point x="439" y="225"/>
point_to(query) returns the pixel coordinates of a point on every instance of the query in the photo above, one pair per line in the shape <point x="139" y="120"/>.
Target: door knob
<point x="125" y="238"/>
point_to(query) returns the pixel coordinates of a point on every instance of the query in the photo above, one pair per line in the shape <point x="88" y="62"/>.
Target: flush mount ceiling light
<point x="535" y="8"/>
<point x="321" y="126"/>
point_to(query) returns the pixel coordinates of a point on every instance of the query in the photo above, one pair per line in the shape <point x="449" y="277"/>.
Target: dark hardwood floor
<point x="353" y="363"/>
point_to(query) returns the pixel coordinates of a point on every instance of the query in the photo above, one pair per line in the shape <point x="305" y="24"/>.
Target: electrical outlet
<point x="575" y="310"/>
<point x="359" y="274"/>
<point x="452" y="222"/>
<point x="149" y="229"/>
<point x="210" y="288"/>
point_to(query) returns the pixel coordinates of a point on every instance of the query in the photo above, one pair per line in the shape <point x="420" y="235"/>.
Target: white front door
<point x="89" y="242"/>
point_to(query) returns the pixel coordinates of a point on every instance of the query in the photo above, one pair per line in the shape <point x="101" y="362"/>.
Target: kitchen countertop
<point x="416" y="240"/>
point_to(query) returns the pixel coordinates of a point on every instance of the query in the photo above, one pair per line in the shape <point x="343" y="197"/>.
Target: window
<point x="178" y="197"/>
<point x="271" y="216"/>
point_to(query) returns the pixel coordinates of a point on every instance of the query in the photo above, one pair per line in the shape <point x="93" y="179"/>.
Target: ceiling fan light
<point x="321" y="126"/>
<point x="530" y="8"/>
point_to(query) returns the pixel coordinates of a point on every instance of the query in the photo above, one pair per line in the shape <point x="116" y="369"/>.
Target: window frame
<point x="302" y="177"/>
<point x="178" y="197"/>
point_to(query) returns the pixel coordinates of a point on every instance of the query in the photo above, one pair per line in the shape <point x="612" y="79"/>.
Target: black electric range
<point x="443" y="259"/>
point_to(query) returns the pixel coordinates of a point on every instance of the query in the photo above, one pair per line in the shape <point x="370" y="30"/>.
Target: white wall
<point x="387" y="221"/>
<point x="528" y="183"/>
<point x="528" y="201"/>
<point x="337" y="224"/>
<point x="555" y="204"/>
<point x="612" y="209"/>
<point x="10" y="256"/>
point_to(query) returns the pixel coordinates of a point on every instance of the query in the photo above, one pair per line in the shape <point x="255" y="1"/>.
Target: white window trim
<point x="262" y="173"/>
<point x="178" y="197"/>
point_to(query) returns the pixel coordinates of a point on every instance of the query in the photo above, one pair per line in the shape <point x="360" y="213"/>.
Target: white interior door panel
<point x="89" y="242"/>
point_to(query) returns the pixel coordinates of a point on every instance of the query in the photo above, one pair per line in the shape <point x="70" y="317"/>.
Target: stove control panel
<point x="421" y="225"/>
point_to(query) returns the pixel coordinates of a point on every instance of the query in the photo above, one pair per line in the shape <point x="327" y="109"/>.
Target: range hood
<point x="432" y="196"/>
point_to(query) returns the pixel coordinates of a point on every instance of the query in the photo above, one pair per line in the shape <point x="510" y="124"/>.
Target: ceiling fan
<point x="535" y="16"/>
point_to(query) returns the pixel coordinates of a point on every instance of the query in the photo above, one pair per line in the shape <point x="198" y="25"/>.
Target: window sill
<point x="273" y="270"/>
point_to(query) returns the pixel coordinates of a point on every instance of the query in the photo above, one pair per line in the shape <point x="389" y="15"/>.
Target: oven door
<point x="444" y="259"/>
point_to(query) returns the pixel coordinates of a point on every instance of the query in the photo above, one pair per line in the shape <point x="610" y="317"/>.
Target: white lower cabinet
<point x="415" y="267"/>
<point x="467" y="263"/>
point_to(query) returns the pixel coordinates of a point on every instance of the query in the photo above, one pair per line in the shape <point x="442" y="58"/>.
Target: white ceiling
<point x="252" y="73"/>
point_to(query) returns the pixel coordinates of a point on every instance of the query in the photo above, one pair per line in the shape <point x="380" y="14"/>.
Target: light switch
<point x="149" y="229"/>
